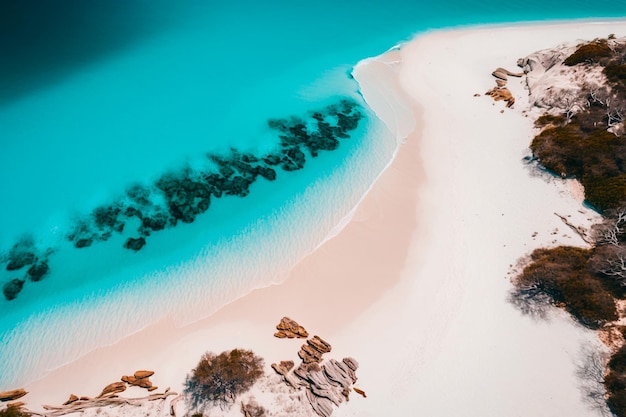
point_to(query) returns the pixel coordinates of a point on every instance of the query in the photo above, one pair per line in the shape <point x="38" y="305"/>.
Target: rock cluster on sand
<point x="140" y="379"/>
<point x="500" y="91"/>
<point x="327" y="383"/>
<point x="9" y="398"/>
<point x="109" y="395"/>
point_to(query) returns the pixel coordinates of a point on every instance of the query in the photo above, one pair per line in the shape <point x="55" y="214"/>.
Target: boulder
<point x="143" y="374"/>
<point x="291" y="329"/>
<point x="12" y="394"/>
<point x="152" y="388"/>
<point x="319" y="344"/>
<point x="16" y="404"/>
<point x="129" y="379"/>
<point x="73" y="398"/>
<point x="112" y="389"/>
<point x="502" y="93"/>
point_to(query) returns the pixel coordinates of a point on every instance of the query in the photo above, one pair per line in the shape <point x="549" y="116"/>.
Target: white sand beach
<point x="415" y="286"/>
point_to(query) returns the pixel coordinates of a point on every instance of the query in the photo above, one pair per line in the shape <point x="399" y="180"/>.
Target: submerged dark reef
<point x="182" y="195"/>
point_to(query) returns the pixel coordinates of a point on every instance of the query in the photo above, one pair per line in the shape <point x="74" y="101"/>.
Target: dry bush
<point x="218" y="379"/>
<point x="14" y="412"/>
<point x="562" y="274"/>
<point x="590" y="52"/>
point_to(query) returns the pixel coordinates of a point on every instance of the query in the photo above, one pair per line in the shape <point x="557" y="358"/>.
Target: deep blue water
<point x="100" y="96"/>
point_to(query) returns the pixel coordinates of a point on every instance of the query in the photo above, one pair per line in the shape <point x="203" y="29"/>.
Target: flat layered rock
<point x="319" y="344"/>
<point x="12" y="395"/>
<point x="143" y="374"/>
<point x="288" y="328"/>
<point x="113" y="388"/>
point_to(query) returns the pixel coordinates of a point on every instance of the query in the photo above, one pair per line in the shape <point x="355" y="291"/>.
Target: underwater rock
<point x="37" y="271"/>
<point x="135" y="244"/>
<point x="19" y="258"/>
<point x="83" y="243"/>
<point x="12" y="288"/>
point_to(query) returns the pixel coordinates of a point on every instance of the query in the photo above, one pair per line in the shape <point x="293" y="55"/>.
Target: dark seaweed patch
<point x="183" y="195"/>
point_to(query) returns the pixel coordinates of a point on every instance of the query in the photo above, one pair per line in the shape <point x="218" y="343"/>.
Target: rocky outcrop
<point x="140" y="379"/>
<point x="12" y="395"/>
<point x="319" y="344"/>
<point x="283" y="369"/>
<point x="327" y="383"/>
<point x="500" y="92"/>
<point x="313" y="350"/>
<point x="288" y="328"/>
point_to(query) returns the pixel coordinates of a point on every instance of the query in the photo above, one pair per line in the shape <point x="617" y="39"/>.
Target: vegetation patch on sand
<point x="582" y="136"/>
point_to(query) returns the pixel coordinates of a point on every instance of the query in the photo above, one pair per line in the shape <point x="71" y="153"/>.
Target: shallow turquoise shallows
<point x="108" y="110"/>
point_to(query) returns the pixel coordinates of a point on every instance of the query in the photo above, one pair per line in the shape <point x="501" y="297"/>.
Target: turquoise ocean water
<point x="108" y="109"/>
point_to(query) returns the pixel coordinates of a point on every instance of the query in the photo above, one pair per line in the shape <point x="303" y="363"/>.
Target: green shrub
<point x="589" y="52"/>
<point x="218" y="379"/>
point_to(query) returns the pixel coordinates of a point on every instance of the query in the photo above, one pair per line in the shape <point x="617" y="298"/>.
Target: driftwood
<point x="81" y="405"/>
<point x="578" y="230"/>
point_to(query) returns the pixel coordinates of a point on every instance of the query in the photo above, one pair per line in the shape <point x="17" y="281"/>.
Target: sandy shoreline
<point x="415" y="286"/>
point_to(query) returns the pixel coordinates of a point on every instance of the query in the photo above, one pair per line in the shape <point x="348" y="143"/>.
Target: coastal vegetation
<point x="583" y="137"/>
<point x="218" y="379"/>
<point x="14" y="412"/>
